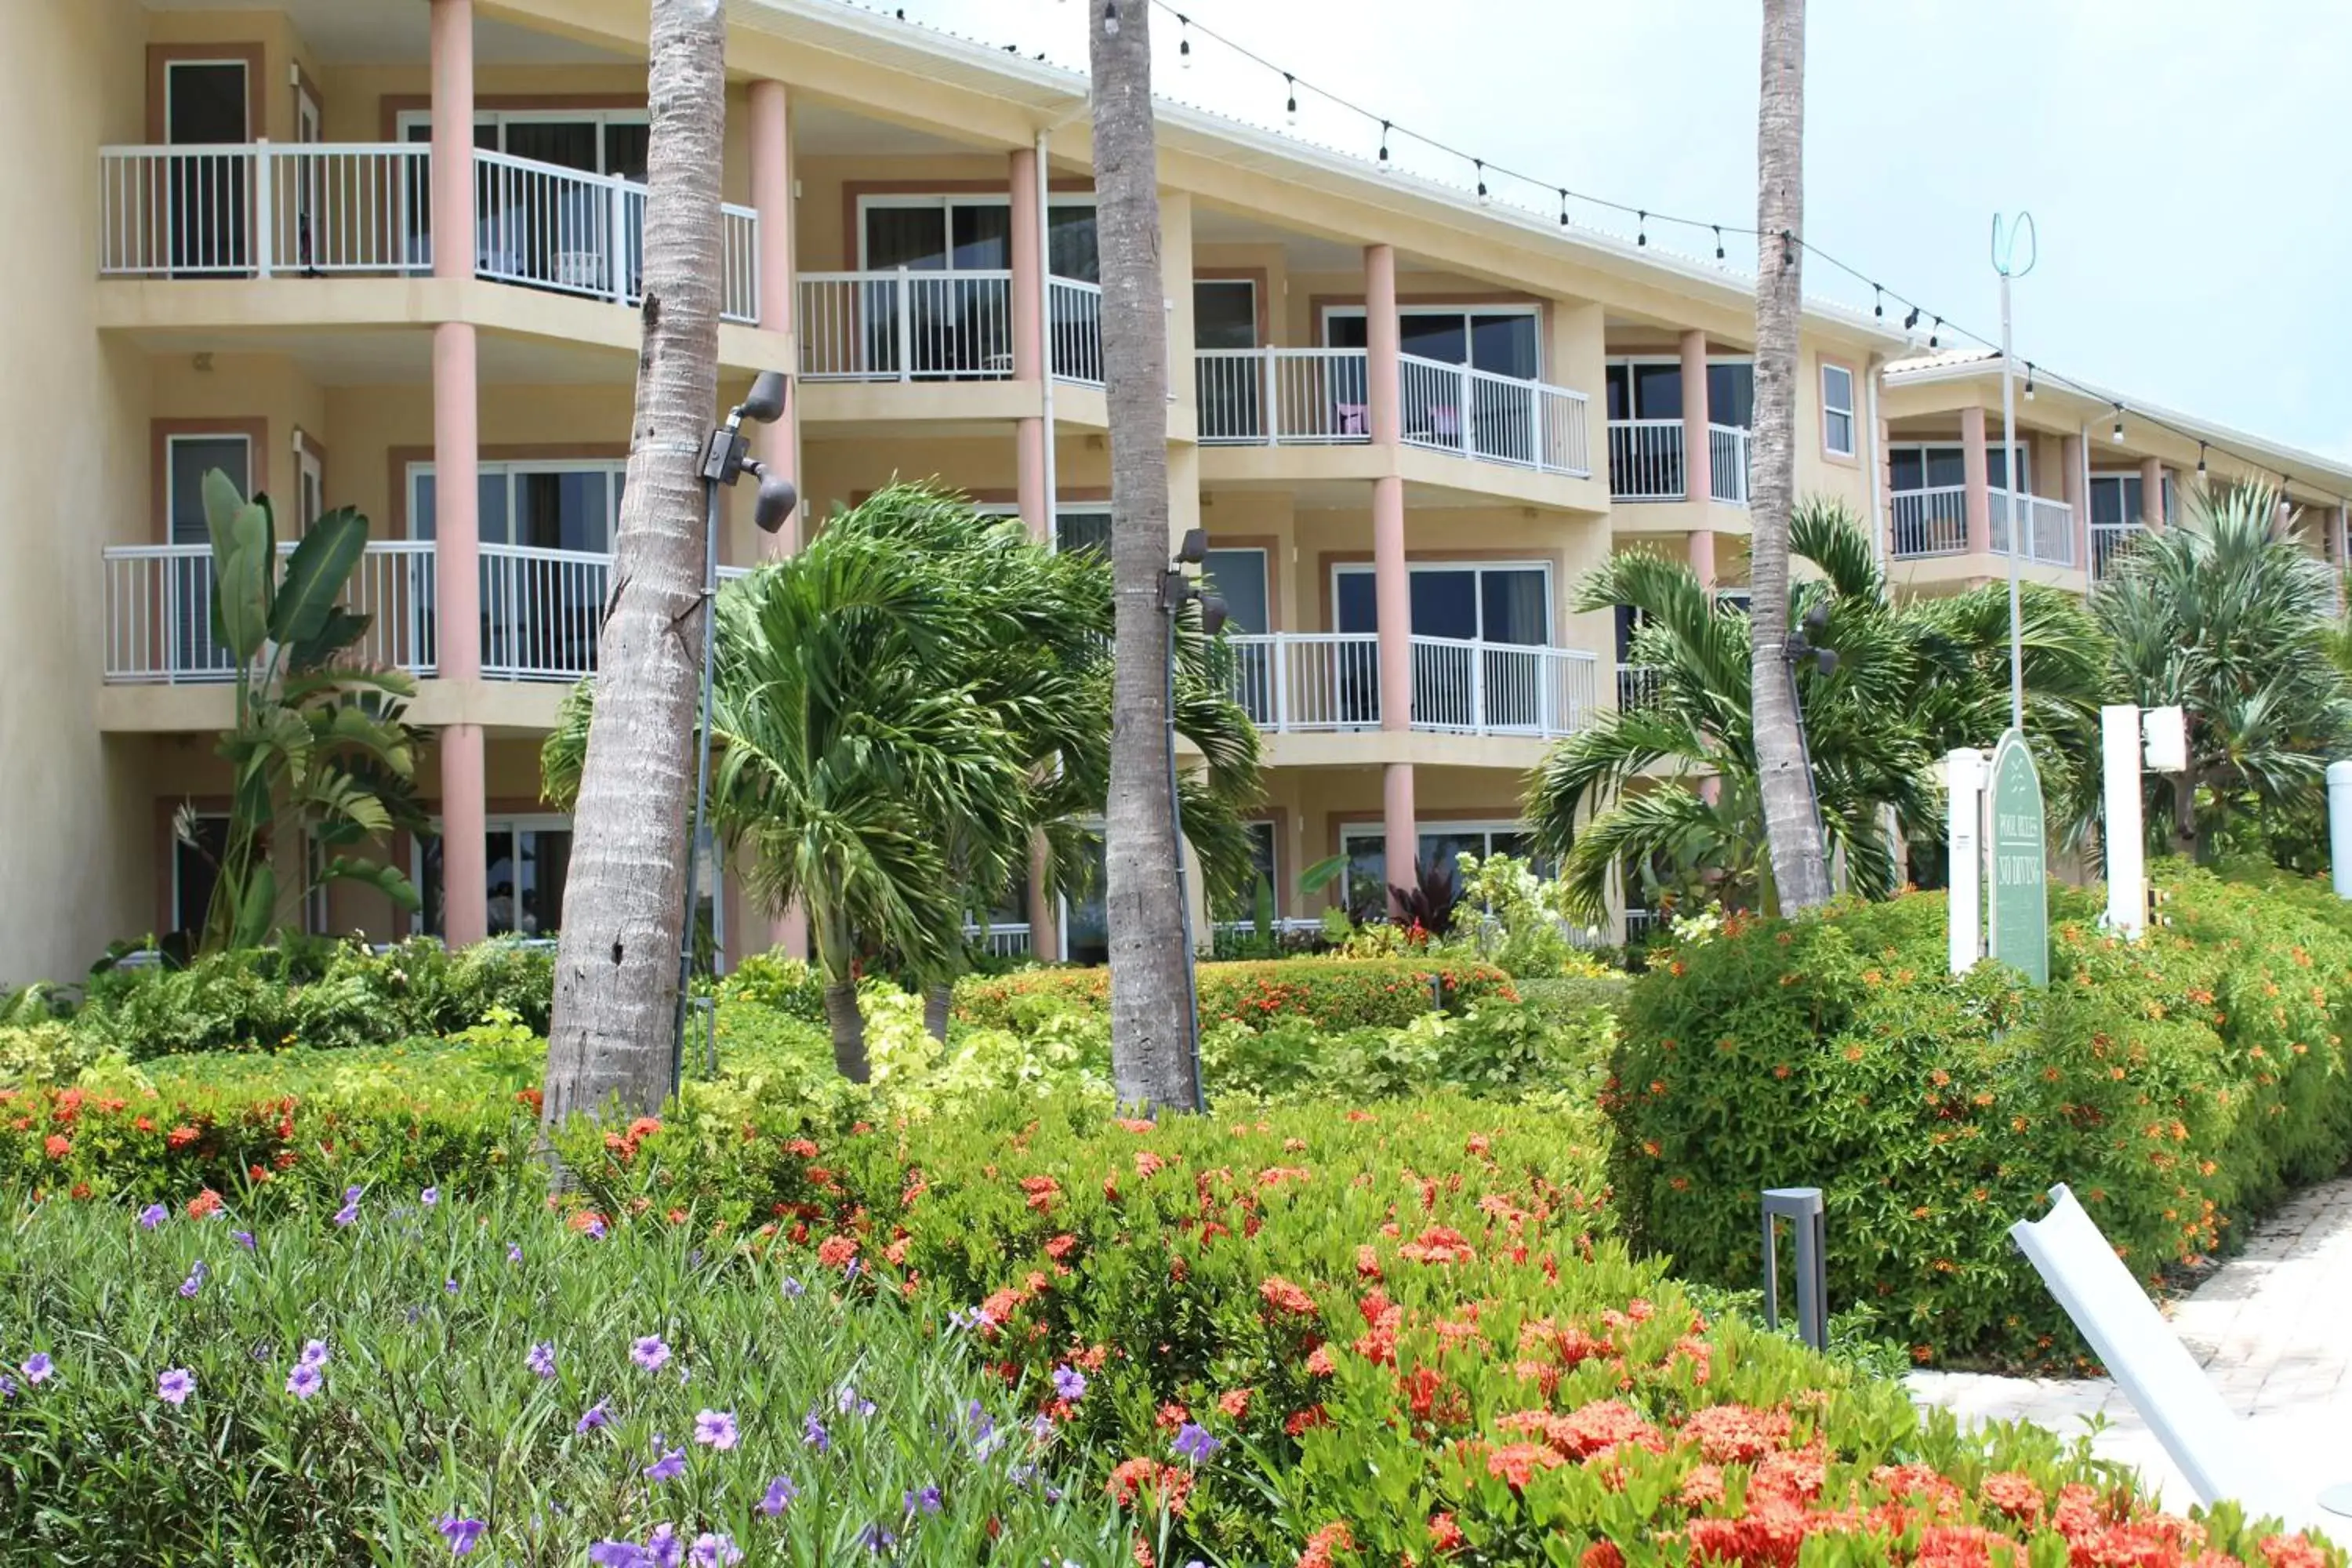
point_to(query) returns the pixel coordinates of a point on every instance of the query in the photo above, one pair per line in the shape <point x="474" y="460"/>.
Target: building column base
<point x="465" y="869"/>
<point x="1401" y="834"/>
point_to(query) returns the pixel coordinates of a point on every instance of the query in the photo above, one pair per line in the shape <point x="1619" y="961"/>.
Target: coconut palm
<point x="1675" y="783"/>
<point x="617" y="968"/>
<point x="2229" y="616"/>
<point x="1798" y="855"/>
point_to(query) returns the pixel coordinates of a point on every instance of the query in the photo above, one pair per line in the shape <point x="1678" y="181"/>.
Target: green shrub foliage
<point x="1335" y="994"/>
<point x="2179" y="1085"/>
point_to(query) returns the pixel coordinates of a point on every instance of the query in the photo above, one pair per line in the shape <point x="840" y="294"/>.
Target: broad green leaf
<point x="316" y="575"/>
<point x="341" y="629"/>
<point x="256" y="907"/>
<point x="386" y="880"/>
<point x="241" y="575"/>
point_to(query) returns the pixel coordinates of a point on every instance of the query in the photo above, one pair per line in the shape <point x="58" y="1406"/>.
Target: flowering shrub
<point x="438" y="1379"/>
<point x="2178" y="1085"/>
<point x="1336" y="994"/>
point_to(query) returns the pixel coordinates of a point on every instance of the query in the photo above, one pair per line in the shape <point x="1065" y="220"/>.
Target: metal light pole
<point x="2004" y="257"/>
<point x="724" y="460"/>
<point x="1175" y="588"/>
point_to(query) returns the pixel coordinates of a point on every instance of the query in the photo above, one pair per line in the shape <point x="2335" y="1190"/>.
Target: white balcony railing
<point x="1645" y="459"/>
<point x="2109" y="541"/>
<point x="1282" y="397"/>
<point x="265" y="209"/>
<point x="1074" y="330"/>
<point x="1002" y="939"/>
<point x="1295" y="682"/>
<point x="906" y="325"/>
<point x="1932" y="521"/>
<point x="2047" y="528"/>
<point x="1639" y="685"/>
<point x="1727" y="450"/>
<point x="1497" y="418"/>
<point x="159" y="626"/>
<point x="542" y="611"/>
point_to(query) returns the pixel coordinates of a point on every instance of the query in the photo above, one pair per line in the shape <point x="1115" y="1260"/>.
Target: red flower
<point x="837" y="1251"/>
<point x="1149" y="1483"/>
<point x="1734" y="1434"/>
<point x="802" y="1148"/>
<point x="1439" y="1244"/>
<point x="145" y="1124"/>
<point x="1518" y="1463"/>
<point x="1302" y="1420"/>
<point x="1320" y="1364"/>
<point x="1061" y="1246"/>
<point x="203" y="1204"/>
<point x="1042" y="1191"/>
<point x="2013" y="1493"/>
<point x="1445" y="1536"/>
<point x="1235" y="1402"/>
<point x="1322" y="1545"/>
<point x="1283" y="1296"/>
<point x="1603" y="1554"/>
<point x="180" y="1137"/>
<point x="1367" y="1263"/>
<point x="1171" y="1417"/>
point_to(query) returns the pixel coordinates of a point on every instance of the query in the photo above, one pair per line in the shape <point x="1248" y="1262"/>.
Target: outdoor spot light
<point x="1212" y="613"/>
<point x="765" y="406"/>
<point x="1195" y="548"/>
<point x="777" y="500"/>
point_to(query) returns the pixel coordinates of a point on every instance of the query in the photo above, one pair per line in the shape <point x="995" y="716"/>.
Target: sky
<point x="2183" y="161"/>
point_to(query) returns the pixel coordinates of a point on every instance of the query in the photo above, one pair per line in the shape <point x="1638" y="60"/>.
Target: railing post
<point x="264" y="208"/>
<point x="1536" y="429"/>
<point x="1478" y="687"/>
<point x="616" y="243"/>
<point x="906" y="309"/>
<point x="1280" y="648"/>
<point x="1270" y="416"/>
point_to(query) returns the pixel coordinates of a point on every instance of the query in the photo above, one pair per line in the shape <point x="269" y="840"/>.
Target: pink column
<point x="1380" y="351"/>
<point x="772" y="196"/>
<point x="464" y="879"/>
<point x="2077" y="491"/>
<point x="1391" y="581"/>
<point x="1698" y="452"/>
<point x="1399" y="838"/>
<point x="452" y="137"/>
<point x="1979" y="482"/>
<point x="1701" y="544"/>
<point x="2151" y="490"/>
<point x="457" y="624"/>
<point x="1029" y="340"/>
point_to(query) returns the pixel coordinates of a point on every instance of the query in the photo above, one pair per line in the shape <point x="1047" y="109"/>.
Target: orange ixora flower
<point x="1283" y="1296"/>
<point x="1235" y="1402"/>
<point x="1147" y="1484"/>
<point x="1445" y="1536"/>
<point x="1736" y="1434"/>
<point x="1325" y="1544"/>
<point x="837" y="1251"/>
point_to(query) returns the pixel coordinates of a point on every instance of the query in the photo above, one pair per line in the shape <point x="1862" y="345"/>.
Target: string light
<point x="1384" y="146"/>
<point x="1184" y="42"/>
<point x="1111" y="18"/>
<point x="1912" y="319"/>
<point x="2028" y="380"/>
<point x="1718" y="242"/>
<point x="1290" y="99"/>
<point x="1482" y="181"/>
<point x="1563" y="208"/>
<point x="1877" y="299"/>
<point x="2201" y="456"/>
<point x="2119" y="423"/>
<point x="1642" y="230"/>
<point x="1934" y="332"/>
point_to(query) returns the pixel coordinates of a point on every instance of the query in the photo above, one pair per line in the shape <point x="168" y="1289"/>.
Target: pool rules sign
<point x="2017" y="855"/>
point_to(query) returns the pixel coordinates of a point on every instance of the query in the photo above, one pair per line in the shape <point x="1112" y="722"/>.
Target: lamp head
<point x="765" y="402"/>
<point x="1825" y="659"/>
<point x="1212" y="613"/>
<point x="777" y="499"/>
<point x="1817" y="619"/>
<point x="1195" y="548"/>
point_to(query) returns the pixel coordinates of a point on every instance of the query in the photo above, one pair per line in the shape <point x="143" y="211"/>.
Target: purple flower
<point x="1193" y="1445"/>
<point x="429" y="1196"/>
<point x="595" y="1227"/>
<point x="351" y="1195"/>
<point x="348" y="1213"/>
<point x="668" y="1468"/>
<point x="878" y="1540"/>
<point x="243" y="1239"/>
<point x="780" y="1493"/>
<point x="38" y="1366"/>
<point x="848" y="1401"/>
<point x="793" y="1289"/>
<point x="926" y="1501"/>
<point x="314" y="1355"/>
<point x="174" y="1386"/>
<point x="662" y="1548"/>
<point x="450" y="1286"/>
<point x="814" y="1434"/>
<point x="716" y="1429"/>
<point x="7" y="1386"/>
<point x="713" y="1550"/>
<point x="650" y="1353"/>
<point x="595" y="1416"/>
<point x="541" y="1359"/>
<point x="304" y="1381"/>
<point x="152" y="1216"/>
<point x="618" y="1554"/>
<point x="514" y="1252"/>
<point x="461" y="1533"/>
<point x="1070" y="1383"/>
<point x="195" y="1279"/>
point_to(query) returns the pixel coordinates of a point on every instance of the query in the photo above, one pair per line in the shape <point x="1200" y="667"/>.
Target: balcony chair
<point x="2204" y="1437"/>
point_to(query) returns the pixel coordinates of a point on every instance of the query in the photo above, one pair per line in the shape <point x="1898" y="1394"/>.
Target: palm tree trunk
<point x="848" y="1022"/>
<point x="1800" y="868"/>
<point x="939" y="1000"/>
<point x="2184" y="814"/>
<point x="616" y="969"/>
<point x="1150" y="1051"/>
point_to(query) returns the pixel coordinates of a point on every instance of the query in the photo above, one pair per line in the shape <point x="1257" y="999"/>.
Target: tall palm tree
<point x="2229" y="616"/>
<point x="1150" y="1008"/>
<point x="1798" y="860"/>
<point x="1911" y="682"/>
<point x="616" y="967"/>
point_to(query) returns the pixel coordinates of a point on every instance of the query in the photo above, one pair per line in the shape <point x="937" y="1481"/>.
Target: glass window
<point x="1445" y="604"/>
<point x="1504" y="343"/>
<point x="1657" y="390"/>
<point x="527" y="862"/>
<point x="566" y="506"/>
<point x="906" y="237"/>
<point x="1498" y="603"/>
<point x="196" y="866"/>
<point x="1731" y="392"/>
<point x="1906" y="468"/>
<point x="1512" y="607"/>
<point x="1345" y="331"/>
<point x="1070" y="250"/>
<point x="1224" y="313"/>
<point x="190" y="459"/>
<point x="1446" y="339"/>
<point x="1997" y="468"/>
<point x="1239" y="576"/>
<point x="983" y="236"/>
<point x="1083" y="530"/>
<point x="1357" y="610"/>
<point x="1618" y="379"/>
<point x="1837" y="410"/>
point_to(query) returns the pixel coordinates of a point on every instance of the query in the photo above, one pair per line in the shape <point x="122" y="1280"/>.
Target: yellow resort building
<point x="382" y="254"/>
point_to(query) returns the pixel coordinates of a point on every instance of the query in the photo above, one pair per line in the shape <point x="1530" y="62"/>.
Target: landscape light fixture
<point x="725" y="459"/>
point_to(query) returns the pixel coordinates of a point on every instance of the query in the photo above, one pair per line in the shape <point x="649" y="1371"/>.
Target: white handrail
<point x="906" y="324"/>
<point x="2109" y="541"/>
<point x="542" y="611"/>
<point x="1727" y="450"/>
<point x="1298" y="683"/>
<point x="1929" y="521"/>
<point x="1282" y="397"/>
<point x="1495" y="418"/>
<point x="1074" y="330"/>
<point x="159" y="628"/>
<point x="2049" y="531"/>
<point x="1645" y="459"/>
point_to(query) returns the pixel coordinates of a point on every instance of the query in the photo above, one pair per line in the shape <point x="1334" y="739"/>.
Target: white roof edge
<point x="1926" y="374"/>
<point x="1062" y="89"/>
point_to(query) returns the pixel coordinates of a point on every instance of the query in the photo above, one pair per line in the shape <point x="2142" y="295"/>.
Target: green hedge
<point x="2179" y="1086"/>
<point x="1336" y="994"/>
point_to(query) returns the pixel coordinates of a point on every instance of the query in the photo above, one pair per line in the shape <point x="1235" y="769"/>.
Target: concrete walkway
<point x="2272" y="1328"/>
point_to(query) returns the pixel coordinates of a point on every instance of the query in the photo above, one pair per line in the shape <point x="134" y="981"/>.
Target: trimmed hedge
<point x="1335" y="994"/>
<point x="2179" y="1086"/>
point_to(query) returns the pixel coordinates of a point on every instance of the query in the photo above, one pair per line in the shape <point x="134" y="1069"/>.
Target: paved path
<point x="2272" y="1328"/>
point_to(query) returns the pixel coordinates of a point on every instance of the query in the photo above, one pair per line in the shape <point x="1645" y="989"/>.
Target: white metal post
<point x="2121" y="833"/>
<point x="906" y="327"/>
<point x="263" y="213"/>
<point x="616" y="249"/>
<point x="1964" y="787"/>
<point x="2016" y="529"/>
<point x="1269" y="416"/>
<point x="2339" y="827"/>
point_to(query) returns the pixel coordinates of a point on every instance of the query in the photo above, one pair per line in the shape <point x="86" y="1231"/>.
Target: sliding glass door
<point x="1502" y="607"/>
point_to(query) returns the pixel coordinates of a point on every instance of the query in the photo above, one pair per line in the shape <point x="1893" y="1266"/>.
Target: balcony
<point x="318" y="209"/>
<point x="915" y="325"/>
<point x="2109" y="541"/>
<point x="1322" y="398"/>
<point x="1309" y="682"/>
<point x="1933" y="521"/>
<point x="541" y="612"/>
<point x="1646" y="462"/>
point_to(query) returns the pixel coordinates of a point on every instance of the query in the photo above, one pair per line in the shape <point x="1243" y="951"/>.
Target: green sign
<point x="2018" y="848"/>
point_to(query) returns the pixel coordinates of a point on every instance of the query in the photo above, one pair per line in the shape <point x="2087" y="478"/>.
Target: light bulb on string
<point x="2119" y="434"/>
<point x="2201" y="456"/>
<point x="2028" y="380"/>
<point x="1877" y="301"/>
<point x="1111" y="18"/>
<point x="1563" y="207"/>
<point x="1384" y="146"/>
<point x="1482" y="197"/>
<point x="1718" y="242"/>
<point x="1911" y="320"/>
<point x="1641" y="229"/>
<point x="1183" y="41"/>
<point x="1290" y="99"/>
<point x="1935" y="333"/>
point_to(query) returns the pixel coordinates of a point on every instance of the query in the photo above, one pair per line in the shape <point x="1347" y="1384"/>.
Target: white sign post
<point x="2339" y="827"/>
<point x="1964" y="780"/>
<point x="2122" y="835"/>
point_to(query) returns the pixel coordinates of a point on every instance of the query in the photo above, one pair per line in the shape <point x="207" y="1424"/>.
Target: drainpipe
<point x="1046" y="325"/>
<point x="1875" y="469"/>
